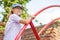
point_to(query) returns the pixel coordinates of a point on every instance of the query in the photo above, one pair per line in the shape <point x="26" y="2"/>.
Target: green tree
<point x="7" y="6"/>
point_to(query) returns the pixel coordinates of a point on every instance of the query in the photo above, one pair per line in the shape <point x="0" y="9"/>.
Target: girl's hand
<point x="33" y="17"/>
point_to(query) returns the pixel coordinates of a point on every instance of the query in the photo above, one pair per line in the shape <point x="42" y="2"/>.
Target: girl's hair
<point x="8" y="15"/>
<point x="11" y="12"/>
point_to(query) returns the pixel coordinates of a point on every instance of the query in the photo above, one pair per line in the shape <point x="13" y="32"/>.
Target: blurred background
<point x="30" y="7"/>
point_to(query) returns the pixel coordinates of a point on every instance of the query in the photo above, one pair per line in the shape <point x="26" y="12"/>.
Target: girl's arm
<point x="26" y="21"/>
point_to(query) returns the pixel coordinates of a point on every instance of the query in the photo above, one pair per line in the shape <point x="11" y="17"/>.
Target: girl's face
<point x="17" y="10"/>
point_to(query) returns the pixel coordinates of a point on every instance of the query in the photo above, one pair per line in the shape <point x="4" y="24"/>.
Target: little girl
<point x="13" y="26"/>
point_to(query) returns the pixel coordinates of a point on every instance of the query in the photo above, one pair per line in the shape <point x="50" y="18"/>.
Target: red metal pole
<point x="47" y="25"/>
<point x="45" y="9"/>
<point x="21" y="32"/>
<point x="34" y="30"/>
<point x="24" y="27"/>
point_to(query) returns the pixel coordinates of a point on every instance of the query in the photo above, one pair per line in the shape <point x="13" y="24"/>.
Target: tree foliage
<point x="7" y="6"/>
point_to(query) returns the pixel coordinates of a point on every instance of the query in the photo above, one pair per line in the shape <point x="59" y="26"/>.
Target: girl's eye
<point x="18" y="8"/>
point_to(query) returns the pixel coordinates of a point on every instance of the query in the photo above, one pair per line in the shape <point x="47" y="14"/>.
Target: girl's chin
<point x="19" y="15"/>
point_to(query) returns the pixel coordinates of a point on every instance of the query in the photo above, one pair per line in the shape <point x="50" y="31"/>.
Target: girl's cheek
<point x="19" y="13"/>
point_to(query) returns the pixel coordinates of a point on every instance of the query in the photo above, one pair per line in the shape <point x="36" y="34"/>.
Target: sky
<point x="1" y="9"/>
<point x="45" y="17"/>
<point x="48" y="15"/>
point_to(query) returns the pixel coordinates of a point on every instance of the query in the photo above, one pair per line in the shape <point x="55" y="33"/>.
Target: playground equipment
<point x="47" y="25"/>
<point x="32" y="25"/>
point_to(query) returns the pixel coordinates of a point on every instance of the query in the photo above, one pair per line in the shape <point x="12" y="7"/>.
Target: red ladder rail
<point x="47" y="25"/>
<point x="21" y="32"/>
<point x="25" y="26"/>
<point x="46" y="9"/>
<point x="34" y="30"/>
